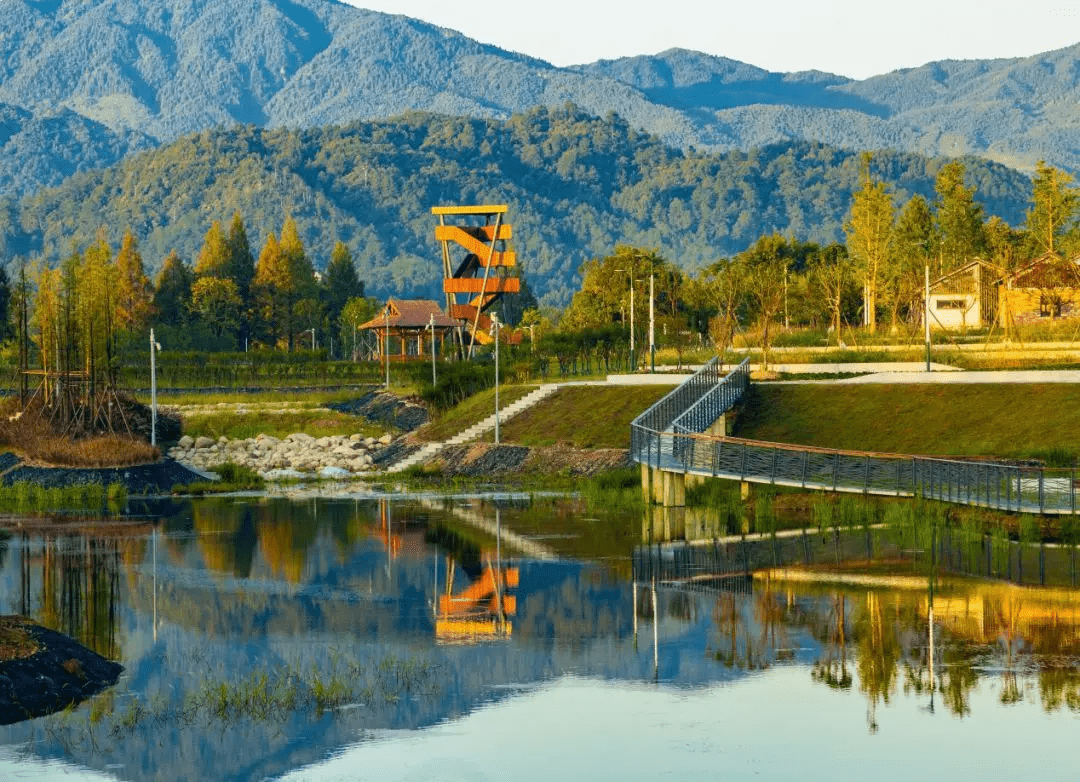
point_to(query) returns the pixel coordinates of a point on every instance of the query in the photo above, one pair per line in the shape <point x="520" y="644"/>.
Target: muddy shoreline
<point x="62" y="672"/>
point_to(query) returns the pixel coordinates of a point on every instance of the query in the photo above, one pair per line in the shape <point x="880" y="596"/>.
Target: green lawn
<point x="473" y="410"/>
<point x="1013" y="420"/>
<point x="582" y="416"/>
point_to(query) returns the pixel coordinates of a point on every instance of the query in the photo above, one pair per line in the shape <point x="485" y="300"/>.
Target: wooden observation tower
<point x="476" y="265"/>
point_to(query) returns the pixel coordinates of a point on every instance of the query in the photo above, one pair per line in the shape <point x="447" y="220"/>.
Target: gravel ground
<point x="140" y="480"/>
<point x="385" y="408"/>
<point x="487" y="459"/>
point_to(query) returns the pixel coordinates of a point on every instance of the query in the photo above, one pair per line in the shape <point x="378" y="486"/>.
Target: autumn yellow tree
<point x="134" y="295"/>
<point x="869" y="232"/>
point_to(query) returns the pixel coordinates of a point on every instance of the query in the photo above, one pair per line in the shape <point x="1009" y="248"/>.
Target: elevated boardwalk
<point x="684" y="435"/>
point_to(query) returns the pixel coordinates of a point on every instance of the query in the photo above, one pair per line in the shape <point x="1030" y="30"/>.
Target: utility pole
<point x="154" y="348"/>
<point x="495" y="322"/>
<point x="926" y="314"/>
<point x="652" y="323"/>
<point x="386" y="343"/>
<point x="431" y="325"/>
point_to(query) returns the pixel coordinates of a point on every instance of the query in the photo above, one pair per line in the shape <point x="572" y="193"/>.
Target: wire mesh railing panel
<point x="669" y="436"/>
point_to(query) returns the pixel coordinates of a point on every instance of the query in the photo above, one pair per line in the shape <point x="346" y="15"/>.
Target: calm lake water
<point x="484" y="638"/>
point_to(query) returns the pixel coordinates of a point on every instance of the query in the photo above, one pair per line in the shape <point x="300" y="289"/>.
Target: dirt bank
<point x="140" y="480"/>
<point x="47" y="671"/>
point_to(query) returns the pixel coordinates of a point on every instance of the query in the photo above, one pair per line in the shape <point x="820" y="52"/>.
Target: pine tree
<point x="242" y="273"/>
<point x="959" y="219"/>
<point x="1054" y="206"/>
<point x="340" y="282"/>
<point x="869" y="237"/>
<point x="271" y="280"/>
<point x="215" y="257"/>
<point x="172" y="292"/>
<point x="134" y="296"/>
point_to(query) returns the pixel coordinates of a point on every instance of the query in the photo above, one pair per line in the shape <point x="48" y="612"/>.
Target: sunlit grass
<point x="1008" y="420"/>
<point x="582" y="417"/>
<point x="316" y="421"/>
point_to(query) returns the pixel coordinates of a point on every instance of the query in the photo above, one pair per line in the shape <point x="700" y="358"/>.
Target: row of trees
<point x="95" y="304"/>
<point x="877" y="274"/>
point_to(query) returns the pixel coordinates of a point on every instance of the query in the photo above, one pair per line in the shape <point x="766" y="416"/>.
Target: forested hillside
<point x="576" y="186"/>
<point x="116" y="75"/>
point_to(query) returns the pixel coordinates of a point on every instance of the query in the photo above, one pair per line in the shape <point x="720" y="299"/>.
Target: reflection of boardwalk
<point x="477" y="519"/>
<point x="671" y="438"/>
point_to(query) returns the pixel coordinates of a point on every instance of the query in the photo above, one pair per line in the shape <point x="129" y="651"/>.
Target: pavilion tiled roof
<point x="411" y="314"/>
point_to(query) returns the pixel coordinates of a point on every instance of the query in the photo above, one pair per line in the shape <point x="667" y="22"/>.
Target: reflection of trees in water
<point x="879" y="651"/>
<point x="832" y="667"/>
<point x="283" y="533"/>
<point x="227" y="536"/>
<point x="79" y="588"/>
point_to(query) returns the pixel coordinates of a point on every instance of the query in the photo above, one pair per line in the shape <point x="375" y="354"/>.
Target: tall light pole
<point x="652" y="323"/>
<point x="386" y="343"/>
<point x="431" y="325"/>
<point x="495" y="327"/>
<point x="926" y="315"/>
<point x="630" y="273"/>
<point x="154" y="348"/>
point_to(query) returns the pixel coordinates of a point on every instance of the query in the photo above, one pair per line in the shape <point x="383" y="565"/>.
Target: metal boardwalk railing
<point x="669" y="437"/>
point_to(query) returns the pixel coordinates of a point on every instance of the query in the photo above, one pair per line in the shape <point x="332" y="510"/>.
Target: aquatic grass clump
<point x="614" y="490"/>
<point x="271" y="695"/>
<point x="88" y="498"/>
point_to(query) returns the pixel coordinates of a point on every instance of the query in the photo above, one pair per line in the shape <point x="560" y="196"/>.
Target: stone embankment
<point x="298" y="455"/>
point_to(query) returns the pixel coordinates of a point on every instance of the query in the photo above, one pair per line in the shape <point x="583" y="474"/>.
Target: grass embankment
<point x="247" y="422"/>
<point x="15" y="640"/>
<point x="1010" y="420"/>
<point x="582" y="417"/>
<point x="239" y="416"/>
<point x="473" y="410"/>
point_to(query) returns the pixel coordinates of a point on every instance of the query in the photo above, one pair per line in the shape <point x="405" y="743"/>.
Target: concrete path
<point x="997" y="376"/>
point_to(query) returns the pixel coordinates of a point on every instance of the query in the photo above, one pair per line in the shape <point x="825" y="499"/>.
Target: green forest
<point x="577" y="186"/>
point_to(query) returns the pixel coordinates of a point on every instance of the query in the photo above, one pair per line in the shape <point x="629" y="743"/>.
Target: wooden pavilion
<point x="412" y="324"/>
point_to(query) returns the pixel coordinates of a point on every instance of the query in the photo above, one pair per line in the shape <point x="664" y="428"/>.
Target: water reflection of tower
<point x="482" y="610"/>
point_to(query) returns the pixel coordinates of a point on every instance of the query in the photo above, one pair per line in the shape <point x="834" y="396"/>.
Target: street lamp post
<point x="495" y="328"/>
<point x="431" y="325"/>
<point x="154" y="348"/>
<point x="926" y="315"/>
<point x="652" y="323"/>
<point x="630" y="273"/>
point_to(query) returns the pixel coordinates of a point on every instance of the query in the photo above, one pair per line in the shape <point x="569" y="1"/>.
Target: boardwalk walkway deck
<point x="671" y="437"/>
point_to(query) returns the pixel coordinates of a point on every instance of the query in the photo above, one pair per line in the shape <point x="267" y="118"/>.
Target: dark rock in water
<point x="62" y="672"/>
<point x="140" y="479"/>
<point x="8" y="460"/>
<point x="385" y="408"/>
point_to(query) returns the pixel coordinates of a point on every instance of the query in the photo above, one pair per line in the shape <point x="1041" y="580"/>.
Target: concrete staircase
<point x="477" y="429"/>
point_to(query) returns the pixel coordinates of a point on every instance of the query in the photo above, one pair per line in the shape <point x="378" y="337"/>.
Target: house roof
<point x="1049" y="270"/>
<point x="411" y="314"/>
<point x="962" y="270"/>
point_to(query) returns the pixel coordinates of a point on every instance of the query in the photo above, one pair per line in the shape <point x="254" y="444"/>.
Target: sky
<point x="854" y="38"/>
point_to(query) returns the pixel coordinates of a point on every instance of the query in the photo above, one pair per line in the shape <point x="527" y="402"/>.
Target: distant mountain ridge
<point x="134" y="72"/>
<point x="576" y="186"/>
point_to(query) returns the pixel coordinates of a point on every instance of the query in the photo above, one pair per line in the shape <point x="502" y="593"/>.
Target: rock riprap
<point x="297" y="455"/>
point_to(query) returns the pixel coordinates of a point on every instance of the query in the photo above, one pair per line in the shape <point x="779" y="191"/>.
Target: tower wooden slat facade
<point x="476" y="265"/>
